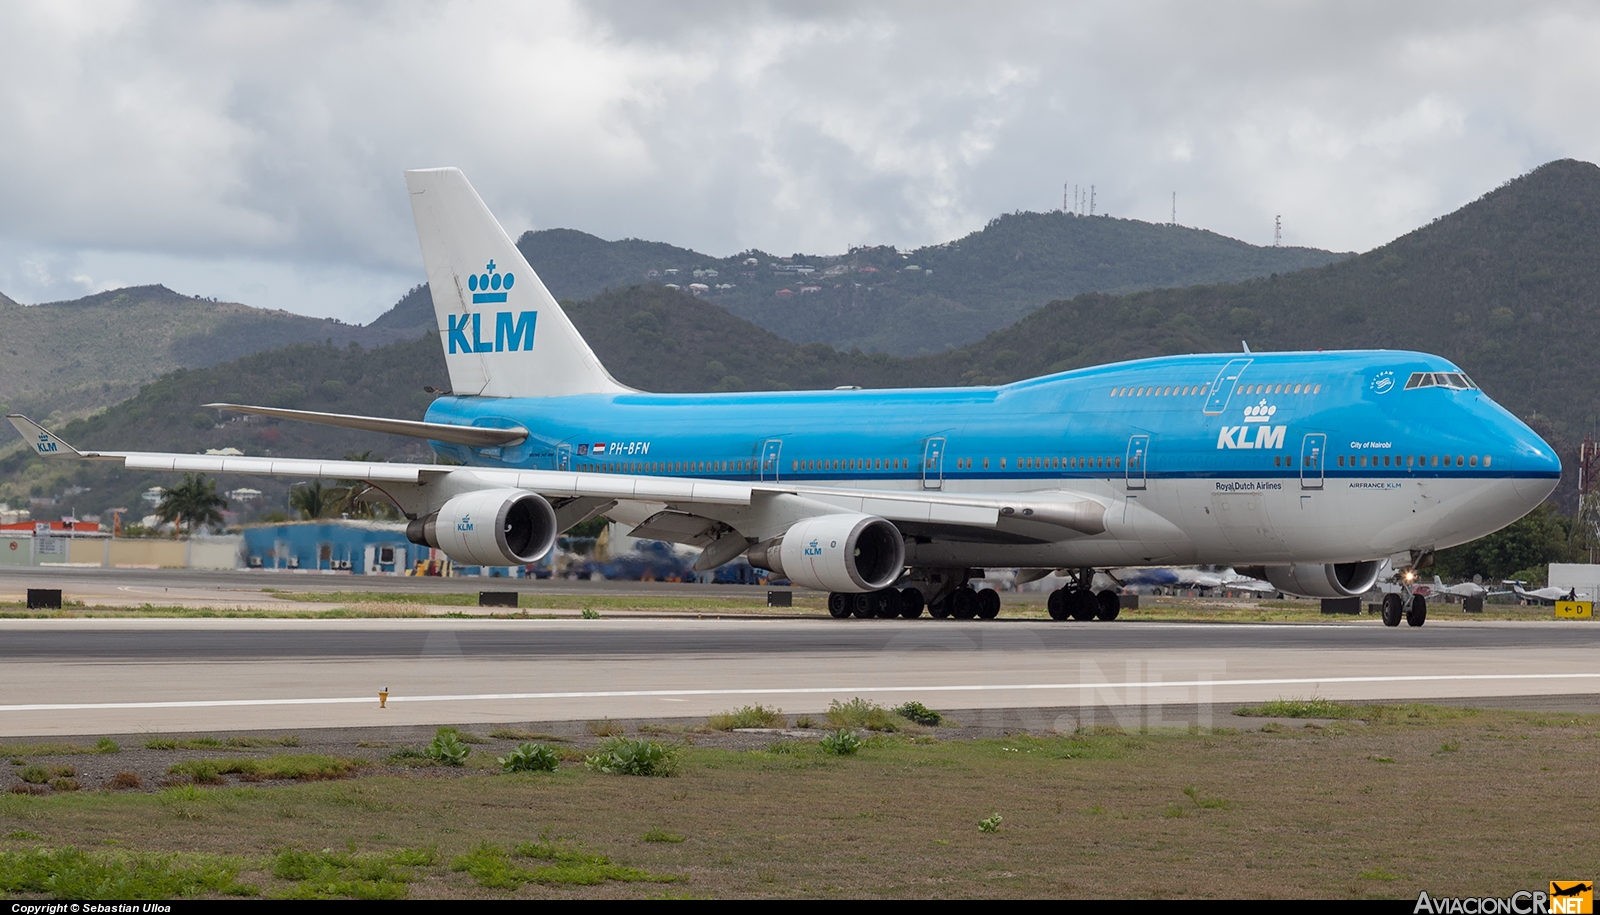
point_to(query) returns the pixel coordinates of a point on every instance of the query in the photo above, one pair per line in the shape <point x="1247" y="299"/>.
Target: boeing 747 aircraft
<point x="1307" y="470"/>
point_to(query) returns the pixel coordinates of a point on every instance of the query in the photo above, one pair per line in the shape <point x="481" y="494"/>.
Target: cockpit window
<point x="1453" y="380"/>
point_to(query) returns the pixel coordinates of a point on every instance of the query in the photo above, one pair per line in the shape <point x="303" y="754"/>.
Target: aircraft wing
<point x="1032" y="513"/>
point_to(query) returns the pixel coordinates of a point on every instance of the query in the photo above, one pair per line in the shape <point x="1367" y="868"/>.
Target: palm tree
<point x="312" y="500"/>
<point x="194" y="502"/>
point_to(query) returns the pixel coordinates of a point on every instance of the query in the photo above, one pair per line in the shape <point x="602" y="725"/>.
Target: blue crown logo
<point x="490" y="286"/>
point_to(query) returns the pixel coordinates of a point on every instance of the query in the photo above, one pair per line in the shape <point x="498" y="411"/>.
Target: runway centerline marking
<point x="792" y="691"/>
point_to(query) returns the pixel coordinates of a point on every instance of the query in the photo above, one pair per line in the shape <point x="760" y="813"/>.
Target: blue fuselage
<point x="1335" y="415"/>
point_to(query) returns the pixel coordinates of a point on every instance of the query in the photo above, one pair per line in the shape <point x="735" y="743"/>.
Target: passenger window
<point x="1486" y="460"/>
<point x="1474" y="460"/>
<point x="1002" y="463"/>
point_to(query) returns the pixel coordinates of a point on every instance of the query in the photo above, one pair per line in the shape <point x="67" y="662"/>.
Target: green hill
<point x="64" y="359"/>
<point x="924" y="301"/>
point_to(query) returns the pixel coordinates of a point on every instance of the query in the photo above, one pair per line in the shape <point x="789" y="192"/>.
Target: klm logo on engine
<point x="512" y="330"/>
<point x="465" y="524"/>
<point x="1239" y="437"/>
<point x="814" y="548"/>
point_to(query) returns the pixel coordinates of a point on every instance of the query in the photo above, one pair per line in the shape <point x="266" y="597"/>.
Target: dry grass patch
<point x="1310" y="810"/>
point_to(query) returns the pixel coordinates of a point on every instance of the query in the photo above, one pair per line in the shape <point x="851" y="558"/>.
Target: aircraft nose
<point x="1535" y="469"/>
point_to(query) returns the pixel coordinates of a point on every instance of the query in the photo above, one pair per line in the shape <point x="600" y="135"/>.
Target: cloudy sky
<point x="253" y="151"/>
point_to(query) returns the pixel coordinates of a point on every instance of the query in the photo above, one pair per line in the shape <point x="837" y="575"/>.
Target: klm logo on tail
<point x="45" y="445"/>
<point x="512" y="331"/>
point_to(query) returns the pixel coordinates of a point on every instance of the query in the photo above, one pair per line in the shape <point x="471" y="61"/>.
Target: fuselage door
<point x="564" y="457"/>
<point x="1138" y="458"/>
<point x="933" y="464"/>
<point x="1313" y="452"/>
<point x="769" y="459"/>
<point x="1222" y="387"/>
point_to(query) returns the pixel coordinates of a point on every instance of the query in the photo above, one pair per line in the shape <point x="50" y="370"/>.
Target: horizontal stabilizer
<point x="475" y="436"/>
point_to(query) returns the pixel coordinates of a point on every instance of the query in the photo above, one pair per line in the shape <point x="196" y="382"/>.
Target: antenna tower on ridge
<point x="1063" y="196"/>
<point x="1277" y="231"/>
<point x="1174" y="207"/>
<point x="1091" y="200"/>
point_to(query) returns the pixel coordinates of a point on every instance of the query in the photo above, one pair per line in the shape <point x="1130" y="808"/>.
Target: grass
<point x="1297" y="808"/>
<point x="298" y="767"/>
<point x="492" y="867"/>
<point x="330" y="874"/>
<point x="219" y="743"/>
<point x="68" y="873"/>
<point x="103" y="745"/>
<point x="519" y="735"/>
<point x="749" y="716"/>
<point x="1299" y="708"/>
<point x="859" y="713"/>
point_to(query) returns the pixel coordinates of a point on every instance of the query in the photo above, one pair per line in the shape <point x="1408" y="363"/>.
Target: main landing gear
<point x="1413" y="608"/>
<point x="1078" y="602"/>
<point x="964" y="603"/>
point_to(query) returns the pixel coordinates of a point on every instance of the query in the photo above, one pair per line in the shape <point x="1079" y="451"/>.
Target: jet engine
<point x="1338" y="579"/>
<point x="491" y="527"/>
<point x="846" y="552"/>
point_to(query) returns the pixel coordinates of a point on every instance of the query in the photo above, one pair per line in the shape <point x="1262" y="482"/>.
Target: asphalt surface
<point x="83" y="676"/>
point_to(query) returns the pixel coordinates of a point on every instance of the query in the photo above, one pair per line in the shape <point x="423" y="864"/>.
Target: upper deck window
<point x="1456" y="381"/>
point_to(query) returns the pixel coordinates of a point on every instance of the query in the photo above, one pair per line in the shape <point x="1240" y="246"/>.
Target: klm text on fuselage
<point x="511" y="332"/>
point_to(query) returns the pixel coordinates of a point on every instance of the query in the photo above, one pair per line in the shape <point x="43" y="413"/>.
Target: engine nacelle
<point x="491" y="527"/>
<point x="1338" y="579"/>
<point x="850" y="553"/>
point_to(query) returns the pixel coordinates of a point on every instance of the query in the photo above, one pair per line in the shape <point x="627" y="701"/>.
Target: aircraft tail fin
<point x="503" y="333"/>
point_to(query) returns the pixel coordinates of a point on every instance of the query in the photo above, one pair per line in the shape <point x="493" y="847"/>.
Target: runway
<point x="87" y="676"/>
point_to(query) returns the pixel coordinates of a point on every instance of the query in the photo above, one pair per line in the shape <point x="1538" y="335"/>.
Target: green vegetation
<point x="103" y="745"/>
<point x="448" y="748"/>
<point x="530" y="757"/>
<point x="300" y="767"/>
<point x="1300" y="708"/>
<point x="754" y="820"/>
<point x="959" y="291"/>
<point x="840" y="743"/>
<point x="859" y="713"/>
<point x="492" y="867"/>
<point x="749" y="716"/>
<point x="917" y="713"/>
<point x="68" y="873"/>
<point x="68" y="359"/>
<point x="632" y="756"/>
<point x="346" y="875"/>
<point x="219" y="743"/>
<point x="990" y="823"/>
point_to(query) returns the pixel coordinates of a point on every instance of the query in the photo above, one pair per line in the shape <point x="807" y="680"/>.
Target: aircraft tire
<point x="839" y="605"/>
<point x="964" y="604"/>
<point x="1057" y="604"/>
<point x="911" y="603"/>
<point x="940" y="610"/>
<point x="1393" y="608"/>
<point x="1417" y="614"/>
<point x="1109" y="605"/>
<point x="1082" y="605"/>
<point x="888" y="604"/>
<point x="865" y="605"/>
<point x="988" y="604"/>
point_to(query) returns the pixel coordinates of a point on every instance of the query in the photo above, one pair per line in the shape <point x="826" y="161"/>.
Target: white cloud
<point x="254" y="151"/>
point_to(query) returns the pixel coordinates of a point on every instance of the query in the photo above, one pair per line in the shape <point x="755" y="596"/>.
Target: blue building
<point x="359" y="547"/>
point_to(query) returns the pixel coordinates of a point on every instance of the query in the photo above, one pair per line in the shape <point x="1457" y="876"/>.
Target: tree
<point x="347" y="496"/>
<point x="192" y="503"/>
<point x="312" y="500"/>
